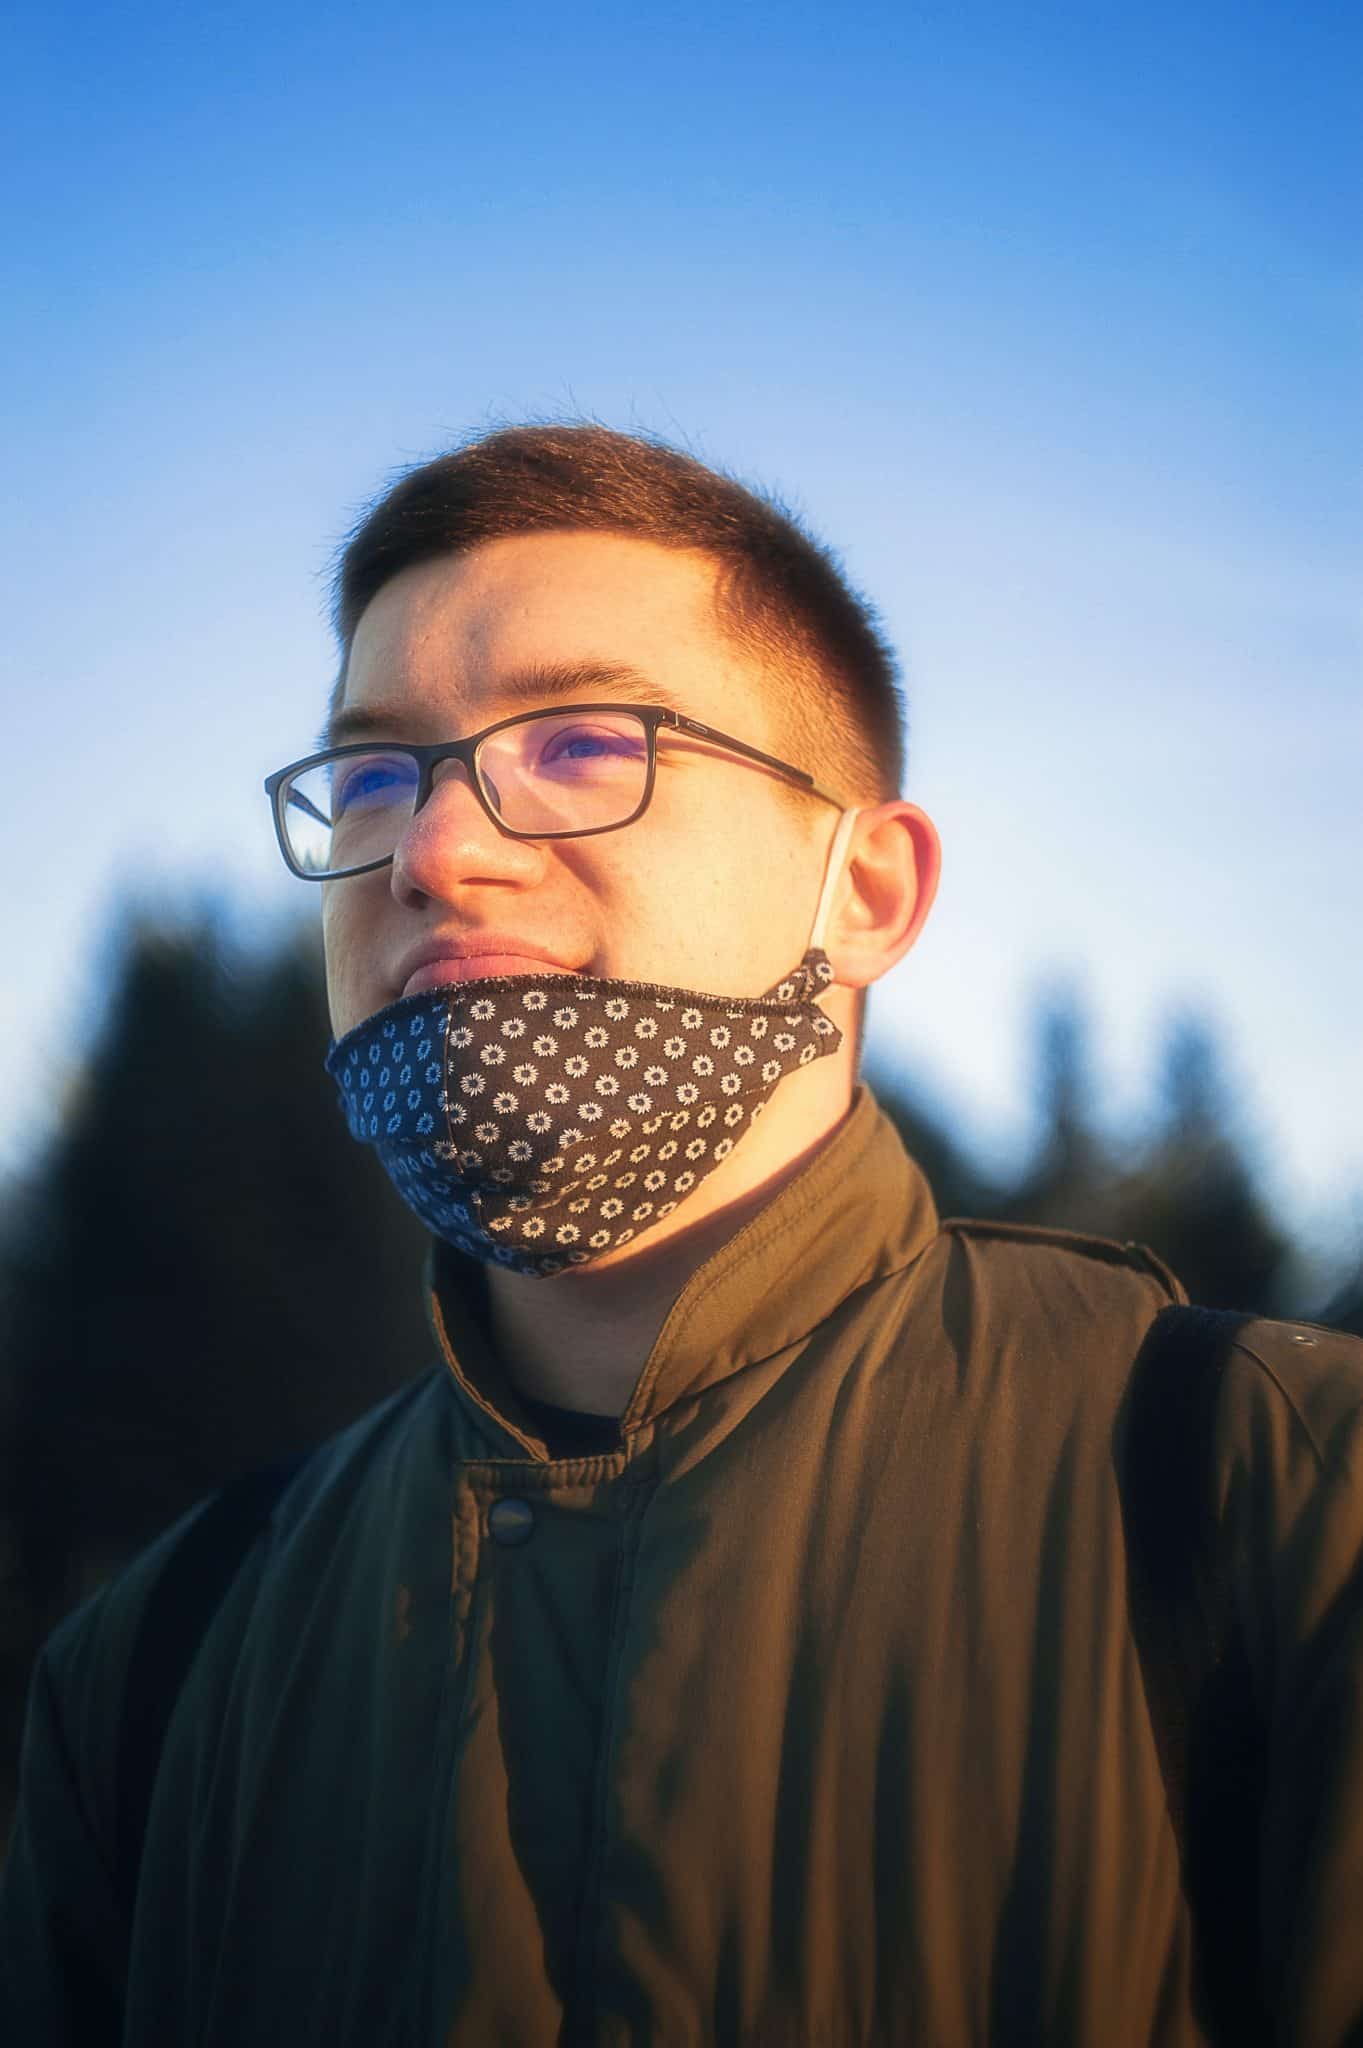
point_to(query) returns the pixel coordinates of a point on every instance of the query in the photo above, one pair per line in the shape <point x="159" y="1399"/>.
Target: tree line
<point x="200" y="1271"/>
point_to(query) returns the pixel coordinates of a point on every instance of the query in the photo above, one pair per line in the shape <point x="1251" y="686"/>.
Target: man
<point x="730" y="1640"/>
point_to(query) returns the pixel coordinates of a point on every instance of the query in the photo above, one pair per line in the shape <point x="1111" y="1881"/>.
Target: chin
<point x="348" y="1013"/>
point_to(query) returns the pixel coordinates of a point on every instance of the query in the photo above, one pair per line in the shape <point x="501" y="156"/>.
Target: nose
<point x="451" y="844"/>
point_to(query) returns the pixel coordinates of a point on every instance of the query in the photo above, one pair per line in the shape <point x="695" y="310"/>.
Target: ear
<point x="887" y="888"/>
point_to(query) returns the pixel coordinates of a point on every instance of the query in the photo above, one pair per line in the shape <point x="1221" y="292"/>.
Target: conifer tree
<point x="205" y="1272"/>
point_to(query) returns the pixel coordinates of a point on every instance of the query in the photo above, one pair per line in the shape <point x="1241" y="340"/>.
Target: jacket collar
<point x="860" y="1210"/>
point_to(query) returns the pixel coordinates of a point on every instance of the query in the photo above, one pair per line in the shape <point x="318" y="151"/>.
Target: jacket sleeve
<point x="63" y="1933"/>
<point x="1294" y="1409"/>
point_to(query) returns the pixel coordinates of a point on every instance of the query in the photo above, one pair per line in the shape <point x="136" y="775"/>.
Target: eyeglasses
<point x="541" y="775"/>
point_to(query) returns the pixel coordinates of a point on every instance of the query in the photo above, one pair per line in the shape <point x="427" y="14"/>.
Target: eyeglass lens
<point x="563" y="771"/>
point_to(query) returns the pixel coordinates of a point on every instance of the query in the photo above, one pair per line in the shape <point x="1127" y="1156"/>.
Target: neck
<point x="581" y="1338"/>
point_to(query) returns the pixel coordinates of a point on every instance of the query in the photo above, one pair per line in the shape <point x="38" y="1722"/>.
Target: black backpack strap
<point x="174" y="1621"/>
<point x="1211" y="1744"/>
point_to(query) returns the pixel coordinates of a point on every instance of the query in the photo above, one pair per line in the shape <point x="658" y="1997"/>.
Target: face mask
<point x="538" y="1121"/>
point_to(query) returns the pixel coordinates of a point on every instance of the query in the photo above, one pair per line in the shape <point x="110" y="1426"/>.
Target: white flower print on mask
<point x="509" y="1200"/>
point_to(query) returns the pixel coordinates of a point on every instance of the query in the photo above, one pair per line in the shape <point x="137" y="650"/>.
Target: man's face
<point x="715" y="887"/>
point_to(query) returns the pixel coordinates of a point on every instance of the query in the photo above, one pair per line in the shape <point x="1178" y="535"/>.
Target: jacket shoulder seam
<point x="1107" y="1251"/>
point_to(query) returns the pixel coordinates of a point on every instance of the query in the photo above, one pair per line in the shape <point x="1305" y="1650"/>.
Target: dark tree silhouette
<point x="1182" y="1185"/>
<point x="203" y="1273"/>
<point x="1193" y="1194"/>
<point x="1073" y="1181"/>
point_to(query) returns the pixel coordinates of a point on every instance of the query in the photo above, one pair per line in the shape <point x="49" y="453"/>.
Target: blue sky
<point x="1048" y="318"/>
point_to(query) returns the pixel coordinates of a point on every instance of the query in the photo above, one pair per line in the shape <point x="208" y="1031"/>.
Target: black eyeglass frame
<point x="465" y="751"/>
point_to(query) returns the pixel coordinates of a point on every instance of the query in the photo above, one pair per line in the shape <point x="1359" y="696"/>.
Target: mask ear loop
<point x="832" y="872"/>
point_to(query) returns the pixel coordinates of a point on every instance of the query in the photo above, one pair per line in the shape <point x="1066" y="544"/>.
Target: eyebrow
<point x="541" y="683"/>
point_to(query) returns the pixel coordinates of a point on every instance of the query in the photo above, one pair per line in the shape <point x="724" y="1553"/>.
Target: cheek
<point x="334" y="923"/>
<point x="744" y="866"/>
<point x="350" y="960"/>
<point x="724" y="906"/>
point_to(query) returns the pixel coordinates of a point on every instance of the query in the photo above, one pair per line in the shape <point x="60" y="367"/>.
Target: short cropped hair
<point x="780" y="595"/>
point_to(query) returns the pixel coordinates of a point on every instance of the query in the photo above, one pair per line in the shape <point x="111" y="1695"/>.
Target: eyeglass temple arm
<point x="304" y="803"/>
<point x="798" y="775"/>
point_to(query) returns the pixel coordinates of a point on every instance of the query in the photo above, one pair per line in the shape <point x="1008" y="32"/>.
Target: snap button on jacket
<point x="511" y="1521"/>
<point x="810" y="1715"/>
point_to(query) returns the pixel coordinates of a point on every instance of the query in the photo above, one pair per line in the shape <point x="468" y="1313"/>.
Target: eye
<point x="370" y="780"/>
<point x="582" y="745"/>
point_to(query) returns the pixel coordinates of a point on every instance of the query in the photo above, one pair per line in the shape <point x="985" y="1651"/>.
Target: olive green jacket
<point x="813" y="1716"/>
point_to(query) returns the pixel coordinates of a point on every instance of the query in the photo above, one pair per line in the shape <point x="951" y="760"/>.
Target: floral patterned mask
<point x="538" y="1121"/>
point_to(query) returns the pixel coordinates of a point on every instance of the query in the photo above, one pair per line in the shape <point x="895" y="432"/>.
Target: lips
<point x="471" y="958"/>
<point x="479" y="968"/>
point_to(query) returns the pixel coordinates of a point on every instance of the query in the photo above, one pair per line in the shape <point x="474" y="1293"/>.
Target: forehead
<point x="455" y="643"/>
